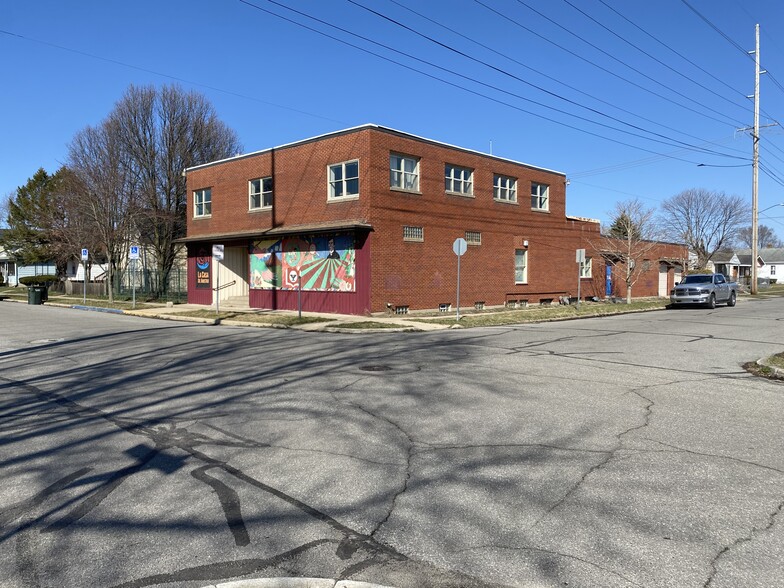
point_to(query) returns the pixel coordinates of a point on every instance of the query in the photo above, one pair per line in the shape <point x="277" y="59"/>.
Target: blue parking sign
<point x="85" y="254"/>
<point x="134" y="253"/>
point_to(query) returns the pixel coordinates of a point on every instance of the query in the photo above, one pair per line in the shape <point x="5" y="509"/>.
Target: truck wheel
<point x="712" y="301"/>
<point x="731" y="301"/>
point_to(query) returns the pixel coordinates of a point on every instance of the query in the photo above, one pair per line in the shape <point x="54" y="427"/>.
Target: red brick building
<point x="364" y="220"/>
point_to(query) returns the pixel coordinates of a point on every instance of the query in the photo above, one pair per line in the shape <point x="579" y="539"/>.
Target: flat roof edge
<point x="378" y="128"/>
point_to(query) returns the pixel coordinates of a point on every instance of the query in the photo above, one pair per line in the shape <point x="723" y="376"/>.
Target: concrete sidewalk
<point x="334" y="325"/>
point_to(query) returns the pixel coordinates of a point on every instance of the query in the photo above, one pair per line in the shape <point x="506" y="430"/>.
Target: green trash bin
<point x="34" y="295"/>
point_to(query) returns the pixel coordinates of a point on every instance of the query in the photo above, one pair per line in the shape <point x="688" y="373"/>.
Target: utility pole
<point x="755" y="165"/>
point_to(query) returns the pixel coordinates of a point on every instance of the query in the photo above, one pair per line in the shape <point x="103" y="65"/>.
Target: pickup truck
<point x="707" y="289"/>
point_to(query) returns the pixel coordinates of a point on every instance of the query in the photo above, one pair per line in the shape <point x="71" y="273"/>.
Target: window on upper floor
<point x="459" y="180"/>
<point x="586" y="268"/>
<point x="404" y="172"/>
<point x="259" y="193"/>
<point x="521" y="266"/>
<point x="504" y="188"/>
<point x="413" y="233"/>
<point x="540" y="196"/>
<point x="202" y="203"/>
<point x="344" y="179"/>
<point x="773" y="270"/>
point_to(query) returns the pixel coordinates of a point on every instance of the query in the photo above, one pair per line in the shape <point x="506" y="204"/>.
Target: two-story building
<point x="365" y="220"/>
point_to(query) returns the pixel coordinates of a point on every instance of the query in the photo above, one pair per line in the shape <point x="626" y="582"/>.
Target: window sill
<point x="413" y="240"/>
<point x="342" y="199"/>
<point x="460" y="194"/>
<point x="521" y="283"/>
<point x="404" y="191"/>
<point x="202" y="217"/>
<point x="262" y="209"/>
<point x="541" y="210"/>
<point x="502" y="201"/>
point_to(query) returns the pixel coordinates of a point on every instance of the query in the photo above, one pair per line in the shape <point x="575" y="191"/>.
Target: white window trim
<point x="472" y="242"/>
<point x="507" y="189"/>
<point x="546" y="207"/>
<point x="344" y="180"/>
<point x="260" y="194"/>
<point x="403" y="173"/>
<point x="586" y="268"/>
<point x="452" y="178"/>
<point x="525" y="268"/>
<point x="201" y="191"/>
<point x="413" y="239"/>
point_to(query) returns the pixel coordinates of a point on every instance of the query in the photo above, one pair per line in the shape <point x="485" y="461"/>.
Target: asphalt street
<point x="622" y="451"/>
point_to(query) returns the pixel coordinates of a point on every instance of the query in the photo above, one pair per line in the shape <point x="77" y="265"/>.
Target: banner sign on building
<point x="203" y="275"/>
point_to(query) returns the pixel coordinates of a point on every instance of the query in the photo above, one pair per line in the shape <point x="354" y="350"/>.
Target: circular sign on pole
<point x="460" y="246"/>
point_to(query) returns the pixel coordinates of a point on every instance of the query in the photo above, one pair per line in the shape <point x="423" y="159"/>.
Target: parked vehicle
<point x="707" y="289"/>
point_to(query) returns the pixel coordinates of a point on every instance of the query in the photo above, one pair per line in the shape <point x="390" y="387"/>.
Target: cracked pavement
<point x="620" y="451"/>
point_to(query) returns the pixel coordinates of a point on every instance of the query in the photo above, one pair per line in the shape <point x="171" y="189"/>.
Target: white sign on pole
<point x="460" y="246"/>
<point x="217" y="252"/>
<point x="134" y="252"/>
<point x="580" y="255"/>
<point x="85" y="255"/>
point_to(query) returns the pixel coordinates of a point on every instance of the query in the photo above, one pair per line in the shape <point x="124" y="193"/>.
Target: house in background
<point x="365" y="220"/>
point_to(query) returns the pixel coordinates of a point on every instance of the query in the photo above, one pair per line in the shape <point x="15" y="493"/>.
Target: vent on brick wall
<point x="401" y="310"/>
<point x="479" y="305"/>
<point x="444" y="307"/>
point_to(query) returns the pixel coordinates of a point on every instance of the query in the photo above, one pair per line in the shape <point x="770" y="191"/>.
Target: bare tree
<point x="705" y="220"/>
<point x="628" y="242"/>
<point x="767" y="237"/>
<point x="102" y="200"/>
<point x="164" y="131"/>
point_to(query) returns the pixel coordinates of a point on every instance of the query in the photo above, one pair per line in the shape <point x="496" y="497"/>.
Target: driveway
<point x="622" y="451"/>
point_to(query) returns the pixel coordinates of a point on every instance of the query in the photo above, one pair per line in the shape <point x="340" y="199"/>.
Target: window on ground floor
<point x="586" y="267"/>
<point x="521" y="266"/>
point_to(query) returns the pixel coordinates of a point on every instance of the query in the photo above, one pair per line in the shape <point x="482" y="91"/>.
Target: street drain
<point x="375" y="368"/>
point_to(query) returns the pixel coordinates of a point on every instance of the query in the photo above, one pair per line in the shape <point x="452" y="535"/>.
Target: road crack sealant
<point x="167" y="437"/>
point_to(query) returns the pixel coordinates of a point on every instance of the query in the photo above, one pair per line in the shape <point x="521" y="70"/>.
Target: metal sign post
<point x="217" y="254"/>
<point x="460" y="246"/>
<point x="133" y="255"/>
<point x="85" y="255"/>
<point x="580" y="261"/>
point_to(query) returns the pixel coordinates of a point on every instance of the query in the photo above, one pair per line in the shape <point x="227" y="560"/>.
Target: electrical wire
<point x="457" y="74"/>
<point x="544" y="74"/>
<point x="620" y="61"/>
<point x="668" y="140"/>
<point x="653" y="57"/>
<point x="168" y="76"/>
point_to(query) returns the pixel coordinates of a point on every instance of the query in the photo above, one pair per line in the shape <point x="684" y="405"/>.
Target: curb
<point x="97" y="309"/>
<point x="776" y="370"/>
<point x="295" y="583"/>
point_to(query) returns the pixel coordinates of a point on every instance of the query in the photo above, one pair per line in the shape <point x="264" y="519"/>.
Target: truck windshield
<point x="697" y="280"/>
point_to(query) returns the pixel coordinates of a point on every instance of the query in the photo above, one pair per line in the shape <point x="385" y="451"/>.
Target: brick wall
<point x="418" y="275"/>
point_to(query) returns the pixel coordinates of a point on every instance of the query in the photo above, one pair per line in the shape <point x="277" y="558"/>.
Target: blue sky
<point x="507" y="76"/>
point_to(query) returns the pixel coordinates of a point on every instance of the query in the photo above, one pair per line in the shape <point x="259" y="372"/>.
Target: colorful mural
<point x="324" y="263"/>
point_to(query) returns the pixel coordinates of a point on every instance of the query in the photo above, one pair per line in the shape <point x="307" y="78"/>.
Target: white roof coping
<point x="380" y="128"/>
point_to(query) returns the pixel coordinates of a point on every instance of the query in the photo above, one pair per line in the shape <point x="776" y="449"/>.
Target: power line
<point x="654" y="58"/>
<point x="544" y="74"/>
<point x="669" y="48"/>
<point x="460" y="75"/>
<point x="168" y="76"/>
<point x="447" y="82"/>
<point x="669" y="140"/>
<point x="614" y="58"/>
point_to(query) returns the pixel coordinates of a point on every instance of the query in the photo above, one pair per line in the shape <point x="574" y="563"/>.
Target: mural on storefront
<point x="203" y="277"/>
<point x="324" y="263"/>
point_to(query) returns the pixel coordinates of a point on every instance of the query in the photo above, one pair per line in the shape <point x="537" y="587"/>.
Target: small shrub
<point x="42" y="280"/>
